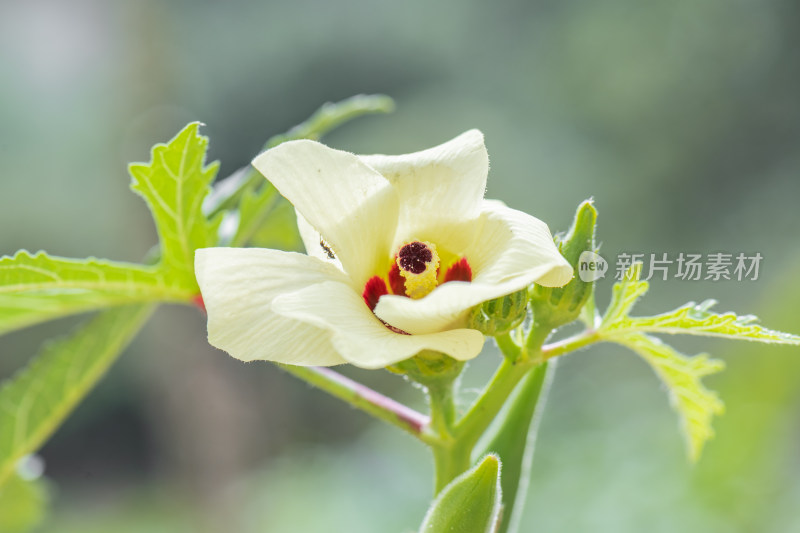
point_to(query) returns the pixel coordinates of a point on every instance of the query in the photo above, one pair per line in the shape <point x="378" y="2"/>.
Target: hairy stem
<point x="363" y="398"/>
<point x="518" y="361"/>
<point x="474" y="423"/>
<point x="452" y="440"/>
<point x="450" y="457"/>
<point x="450" y="462"/>
<point x="570" y="344"/>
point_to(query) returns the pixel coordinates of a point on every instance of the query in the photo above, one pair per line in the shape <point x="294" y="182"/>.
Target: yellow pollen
<point x="419" y="264"/>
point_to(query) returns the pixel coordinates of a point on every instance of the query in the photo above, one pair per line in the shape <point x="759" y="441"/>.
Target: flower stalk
<point x="364" y="398"/>
<point x="452" y="439"/>
<point x="451" y="457"/>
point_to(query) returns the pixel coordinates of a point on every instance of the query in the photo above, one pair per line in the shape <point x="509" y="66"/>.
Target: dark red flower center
<point x="414" y="256"/>
<point x="412" y="259"/>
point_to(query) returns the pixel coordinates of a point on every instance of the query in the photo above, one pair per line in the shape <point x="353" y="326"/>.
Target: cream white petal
<point x="508" y="251"/>
<point x="359" y="336"/>
<point x="353" y="206"/>
<point x="514" y="243"/>
<point x="238" y="286"/>
<point x="438" y="186"/>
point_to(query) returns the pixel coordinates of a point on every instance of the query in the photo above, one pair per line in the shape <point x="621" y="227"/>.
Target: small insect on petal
<point x="373" y="290"/>
<point x="459" y="271"/>
<point x="327" y="249"/>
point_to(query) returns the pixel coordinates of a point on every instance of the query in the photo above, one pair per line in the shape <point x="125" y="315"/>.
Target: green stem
<point x="450" y="457"/>
<point x="570" y="344"/>
<point x="473" y="424"/>
<point x="517" y="361"/>
<point x="536" y="337"/>
<point x="450" y="462"/>
<point x="443" y="407"/>
<point x="516" y="364"/>
<point x="508" y="347"/>
<point x="365" y="399"/>
<point x="452" y="441"/>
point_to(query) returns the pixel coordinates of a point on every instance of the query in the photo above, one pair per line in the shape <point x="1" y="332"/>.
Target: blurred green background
<point x="681" y="118"/>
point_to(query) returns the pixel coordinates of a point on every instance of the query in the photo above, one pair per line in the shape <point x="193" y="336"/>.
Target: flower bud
<point x="470" y="503"/>
<point x="500" y="315"/>
<point x="561" y="305"/>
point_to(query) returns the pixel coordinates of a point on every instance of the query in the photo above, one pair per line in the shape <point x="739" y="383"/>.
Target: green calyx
<point x="501" y="315"/>
<point x="429" y="366"/>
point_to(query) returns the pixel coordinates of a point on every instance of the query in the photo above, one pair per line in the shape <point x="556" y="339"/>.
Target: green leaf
<point x="279" y="230"/>
<point x="470" y="503"/>
<point x="681" y="374"/>
<point x="689" y="319"/>
<point x="35" y="288"/>
<point x="174" y="185"/>
<point x="255" y="210"/>
<point x="624" y="295"/>
<point x="695" y="404"/>
<point x="697" y="319"/>
<point x="23" y="504"/>
<point x="514" y="438"/>
<point x="40" y="396"/>
<point x="332" y="115"/>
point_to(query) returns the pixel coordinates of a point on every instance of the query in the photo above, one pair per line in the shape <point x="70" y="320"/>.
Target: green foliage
<point x="470" y="503"/>
<point x="695" y="404"/>
<point x="266" y="220"/>
<point x="623" y="296"/>
<point x="682" y="375"/>
<point x="332" y="115"/>
<point x="280" y="230"/>
<point x="174" y="185"/>
<point x="698" y="319"/>
<point x="255" y="208"/>
<point x="35" y="401"/>
<point x="513" y="441"/>
<point x="23" y="504"/>
<point x="36" y="288"/>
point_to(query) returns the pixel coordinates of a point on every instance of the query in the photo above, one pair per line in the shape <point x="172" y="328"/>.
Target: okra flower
<point x="399" y="249"/>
